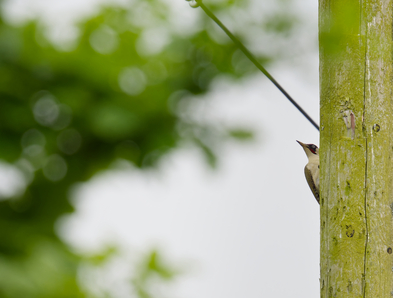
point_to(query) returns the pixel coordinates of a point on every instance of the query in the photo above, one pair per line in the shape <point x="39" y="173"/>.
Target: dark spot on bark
<point x="349" y="286"/>
<point x="389" y="250"/>
<point x="348" y="189"/>
<point x="331" y="292"/>
<point x="350" y="232"/>
<point x="335" y="242"/>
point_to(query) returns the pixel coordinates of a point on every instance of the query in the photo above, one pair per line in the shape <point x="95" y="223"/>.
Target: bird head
<point x="310" y="149"/>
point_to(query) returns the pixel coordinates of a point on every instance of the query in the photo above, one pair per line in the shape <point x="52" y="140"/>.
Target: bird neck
<point x="313" y="157"/>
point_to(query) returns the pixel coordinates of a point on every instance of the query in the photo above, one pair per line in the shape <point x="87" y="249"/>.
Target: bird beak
<point x="302" y="144"/>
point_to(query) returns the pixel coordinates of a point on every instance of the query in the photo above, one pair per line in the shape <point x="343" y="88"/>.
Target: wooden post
<point x="356" y="151"/>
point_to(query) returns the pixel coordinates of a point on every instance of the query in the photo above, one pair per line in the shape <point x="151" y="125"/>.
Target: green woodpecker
<point x="311" y="169"/>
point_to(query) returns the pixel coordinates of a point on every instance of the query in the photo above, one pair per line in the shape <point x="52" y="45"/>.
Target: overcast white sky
<point x="249" y="228"/>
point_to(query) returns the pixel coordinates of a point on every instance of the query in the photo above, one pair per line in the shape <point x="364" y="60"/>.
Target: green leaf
<point x="241" y="134"/>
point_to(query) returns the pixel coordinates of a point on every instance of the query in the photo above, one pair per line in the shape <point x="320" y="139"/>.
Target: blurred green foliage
<point x="152" y="267"/>
<point x="340" y="27"/>
<point x="65" y="115"/>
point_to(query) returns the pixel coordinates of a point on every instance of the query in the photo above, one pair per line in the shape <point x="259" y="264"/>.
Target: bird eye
<point x="313" y="148"/>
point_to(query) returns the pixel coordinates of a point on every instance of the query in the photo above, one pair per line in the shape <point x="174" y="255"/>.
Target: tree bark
<point x="356" y="148"/>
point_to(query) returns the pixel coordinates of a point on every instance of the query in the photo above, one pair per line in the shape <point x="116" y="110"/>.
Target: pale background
<point x="250" y="228"/>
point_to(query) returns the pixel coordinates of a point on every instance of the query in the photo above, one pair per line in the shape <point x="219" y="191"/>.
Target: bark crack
<point x="366" y="157"/>
<point x="365" y="217"/>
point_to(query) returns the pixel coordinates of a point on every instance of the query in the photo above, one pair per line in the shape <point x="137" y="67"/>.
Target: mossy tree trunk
<point x="356" y="148"/>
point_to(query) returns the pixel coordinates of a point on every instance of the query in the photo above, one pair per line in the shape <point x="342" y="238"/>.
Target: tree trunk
<point x="356" y="148"/>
